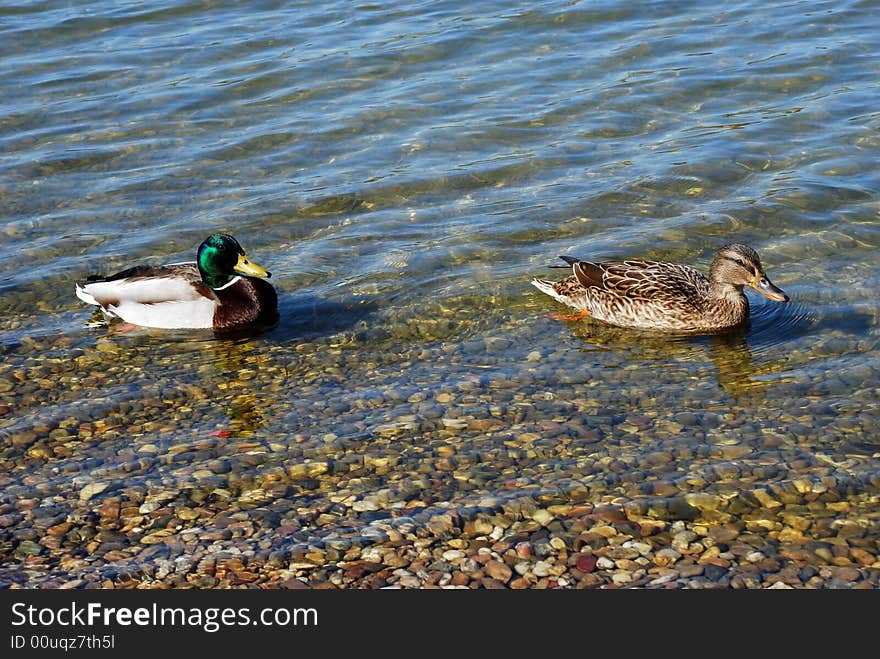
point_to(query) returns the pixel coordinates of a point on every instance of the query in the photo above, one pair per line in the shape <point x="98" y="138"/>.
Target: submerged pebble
<point x="255" y="466"/>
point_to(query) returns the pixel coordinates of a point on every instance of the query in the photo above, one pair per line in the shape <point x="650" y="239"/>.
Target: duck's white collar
<point x="232" y="281"/>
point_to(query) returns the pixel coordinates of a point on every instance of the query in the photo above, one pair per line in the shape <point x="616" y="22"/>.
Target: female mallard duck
<point x="664" y="296"/>
<point x="219" y="290"/>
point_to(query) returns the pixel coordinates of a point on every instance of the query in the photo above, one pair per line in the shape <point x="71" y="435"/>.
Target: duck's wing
<point x="645" y="280"/>
<point x="146" y="285"/>
<point x="168" y="296"/>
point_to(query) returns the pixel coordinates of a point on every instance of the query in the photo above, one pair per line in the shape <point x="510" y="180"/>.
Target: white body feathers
<point x="168" y="300"/>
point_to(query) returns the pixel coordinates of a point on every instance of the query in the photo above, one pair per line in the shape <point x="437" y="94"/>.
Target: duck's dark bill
<point x="766" y="288"/>
<point x="245" y="267"/>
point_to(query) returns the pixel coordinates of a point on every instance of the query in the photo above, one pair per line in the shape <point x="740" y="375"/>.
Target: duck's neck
<point x="726" y="305"/>
<point x="727" y="300"/>
<point x="216" y="280"/>
<point x="723" y="291"/>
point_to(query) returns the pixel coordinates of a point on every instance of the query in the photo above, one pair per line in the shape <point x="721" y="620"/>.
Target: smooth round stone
<point x="605" y="563"/>
<point x="91" y="489"/>
<point x="498" y="570"/>
<point x="714" y="572"/>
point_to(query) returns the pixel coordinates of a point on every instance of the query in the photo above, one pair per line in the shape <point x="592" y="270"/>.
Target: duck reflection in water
<point x="255" y="373"/>
<point x="735" y="368"/>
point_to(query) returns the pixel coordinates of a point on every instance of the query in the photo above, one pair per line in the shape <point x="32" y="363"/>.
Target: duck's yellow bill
<point x="245" y="267"/>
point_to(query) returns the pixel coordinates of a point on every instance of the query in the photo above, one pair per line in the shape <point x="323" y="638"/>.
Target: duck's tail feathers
<point x="570" y="260"/>
<point x="546" y="287"/>
<point x="84" y="296"/>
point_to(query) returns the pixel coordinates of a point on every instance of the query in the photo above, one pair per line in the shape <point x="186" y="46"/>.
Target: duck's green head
<point x="221" y="258"/>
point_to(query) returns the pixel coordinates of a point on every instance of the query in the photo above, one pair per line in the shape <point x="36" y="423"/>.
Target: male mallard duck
<point x="219" y="290"/>
<point x="664" y="296"/>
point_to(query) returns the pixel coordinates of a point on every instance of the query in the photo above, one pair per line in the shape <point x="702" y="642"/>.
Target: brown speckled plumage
<point x="665" y="296"/>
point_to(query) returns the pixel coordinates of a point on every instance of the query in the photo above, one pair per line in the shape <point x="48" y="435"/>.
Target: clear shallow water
<point x="404" y="172"/>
